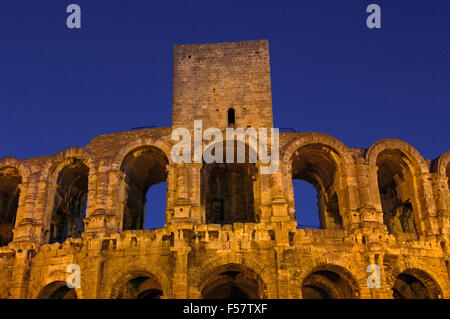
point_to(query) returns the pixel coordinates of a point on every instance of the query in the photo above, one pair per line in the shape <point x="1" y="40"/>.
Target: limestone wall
<point x="187" y="254"/>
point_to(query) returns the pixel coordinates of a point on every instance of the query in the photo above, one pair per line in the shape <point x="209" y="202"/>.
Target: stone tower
<point x="230" y="230"/>
<point x="211" y="79"/>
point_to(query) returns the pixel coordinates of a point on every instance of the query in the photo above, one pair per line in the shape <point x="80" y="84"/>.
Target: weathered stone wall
<point x="190" y="258"/>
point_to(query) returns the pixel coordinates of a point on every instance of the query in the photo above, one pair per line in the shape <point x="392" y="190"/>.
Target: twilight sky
<point x="60" y="88"/>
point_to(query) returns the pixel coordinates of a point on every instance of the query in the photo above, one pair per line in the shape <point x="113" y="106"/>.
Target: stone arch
<point x="117" y="161"/>
<point x="325" y="279"/>
<point x="316" y="138"/>
<point x="57" y="290"/>
<point x="120" y="279"/>
<point x="200" y="278"/>
<point x="13" y="174"/>
<point x="141" y="168"/>
<point x="22" y="167"/>
<point x="420" y="165"/>
<point x="59" y="160"/>
<point x="398" y="164"/>
<point x="325" y="163"/>
<point x="434" y="285"/>
<point x="137" y="284"/>
<point x="233" y="281"/>
<point x="70" y="172"/>
<point x="229" y="192"/>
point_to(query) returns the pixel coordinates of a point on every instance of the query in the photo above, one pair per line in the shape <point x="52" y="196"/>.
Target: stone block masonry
<point x="230" y="231"/>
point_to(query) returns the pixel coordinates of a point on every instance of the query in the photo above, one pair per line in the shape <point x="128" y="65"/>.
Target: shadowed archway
<point x="141" y="287"/>
<point x="396" y="187"/>
<point x="229" y="190"/>
<point x="233" y="281"/>
<point x="329" y="282"/>
<point x="142" y="168"/>
<point x="318" y="165"/>
<point x="415" y="284"/>
<point x="69" y="209"/>
<point x="57" y="290"/>
<point x="10" y="180"/>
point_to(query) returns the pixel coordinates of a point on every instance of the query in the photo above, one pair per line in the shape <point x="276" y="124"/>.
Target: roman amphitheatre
<point x="230" y="231"/>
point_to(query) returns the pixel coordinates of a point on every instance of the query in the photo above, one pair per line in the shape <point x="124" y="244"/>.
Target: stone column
<point x="279" y="204"/>
<point x="371" y="211"/>
<point x="181" y="205"/>
<point x="28" y="227"/>
<point x="22" y="266"/>
<point x="288" y="190"/>
<point x="427" y="208"/>
<point x="102" y="213"/>
<point x="91" y="276"/>
<point x="283" y="275"/>
<point x="440" y="190"/>
<point x="195" y="192"/>
<point x="180" y="252"/>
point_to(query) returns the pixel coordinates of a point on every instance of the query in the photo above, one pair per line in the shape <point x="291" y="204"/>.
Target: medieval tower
<point x="230" y="231"/>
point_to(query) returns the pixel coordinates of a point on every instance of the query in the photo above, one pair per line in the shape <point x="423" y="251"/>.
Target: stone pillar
<point x="180" y="252"/>
<point x="346" y="185"/>
<point x="22" y="265"/>
<point x="371" y="211"/>
<point x="195" y="192"/>
<point x="104" y="202"/>
<point x="91" y="276"/>
<point x="27" y="228"/>
<point x="288" y="190"/>
<point x="440" y="190"/>
<point x="266" y="198"/>
<point x="43" y="206"/>
<point x="283" y="274"/>
<point x="171" y="192"/>
<point x="181" y="207"/>
<point x="279" y="204"/>
<point x="427" y="208"/>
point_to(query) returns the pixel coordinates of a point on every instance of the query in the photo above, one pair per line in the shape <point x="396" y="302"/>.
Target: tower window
<point x="231" y="119"/>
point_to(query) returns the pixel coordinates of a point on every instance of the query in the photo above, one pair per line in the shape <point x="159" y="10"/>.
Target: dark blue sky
<point x="60" y="88"/>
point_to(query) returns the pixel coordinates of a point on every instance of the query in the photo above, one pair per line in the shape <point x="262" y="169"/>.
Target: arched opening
<point x="234" y="281"/>
<point x="318" y="165"/>
<point x="329" y="284"/>
<point x="228" y="190"/>
<point x="10" y="180"/>
<point x="141" y="287"/>
<point x="415" y="284"/>
<point x="69" y="209"/>
<point x="231" y="117"/>
<point x="397" y="194"/>
<point x="142" y="168"/>
<point x="57" y="290"/>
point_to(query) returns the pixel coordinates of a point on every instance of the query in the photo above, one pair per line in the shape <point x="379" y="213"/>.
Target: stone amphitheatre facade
<point x="230" y="231"/>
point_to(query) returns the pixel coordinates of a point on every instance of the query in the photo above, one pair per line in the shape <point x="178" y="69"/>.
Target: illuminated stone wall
<point x="385" y="205"/>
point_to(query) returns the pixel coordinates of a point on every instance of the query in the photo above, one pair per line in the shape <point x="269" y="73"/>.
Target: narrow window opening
<point x="231" y="117"/>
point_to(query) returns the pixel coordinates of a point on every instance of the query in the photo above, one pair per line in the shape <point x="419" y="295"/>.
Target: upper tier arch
<point x="316" y="138"/>
<point x="138" y="143"/>
<point x="413" y="155"/>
